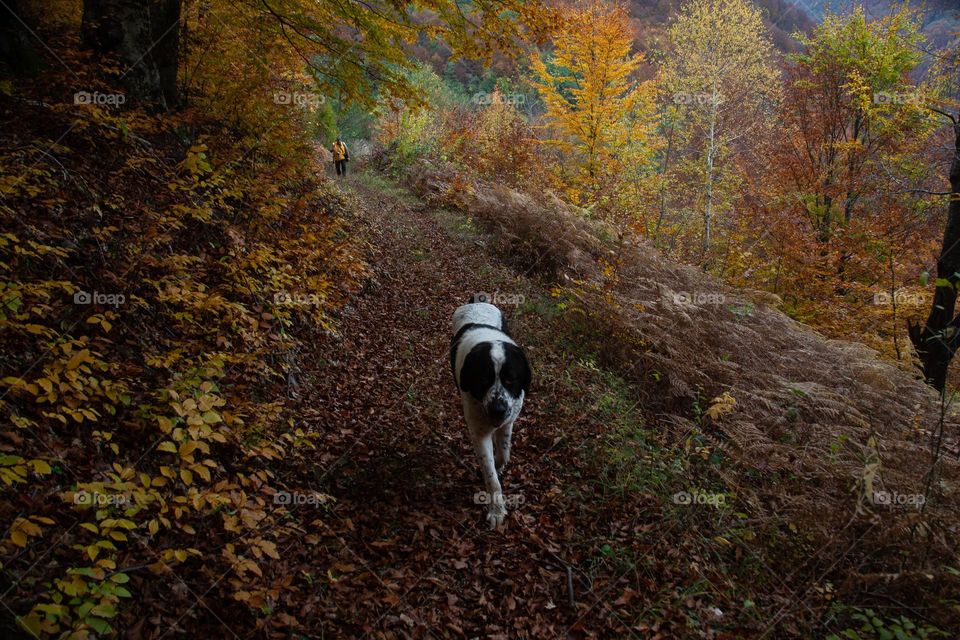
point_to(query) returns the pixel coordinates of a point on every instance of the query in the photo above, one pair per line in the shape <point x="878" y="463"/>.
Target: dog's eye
<point x="507" y="380"/>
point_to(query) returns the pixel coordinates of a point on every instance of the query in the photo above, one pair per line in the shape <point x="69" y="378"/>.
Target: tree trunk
<point x="936" y="342"/>
<point x="17" y="50"/>
<point x="708" y="208"/>
<point x="663" y="189"/>
<point x="144" y="36"/>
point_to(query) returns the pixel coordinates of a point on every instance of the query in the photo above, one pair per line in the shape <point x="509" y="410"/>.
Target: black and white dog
<point x="493" y="376"/>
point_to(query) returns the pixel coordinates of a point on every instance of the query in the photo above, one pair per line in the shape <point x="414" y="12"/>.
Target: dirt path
<point x="412" y="556"/>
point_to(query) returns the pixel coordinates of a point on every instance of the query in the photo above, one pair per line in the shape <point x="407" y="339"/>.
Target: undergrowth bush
<point x="161" y="278"/>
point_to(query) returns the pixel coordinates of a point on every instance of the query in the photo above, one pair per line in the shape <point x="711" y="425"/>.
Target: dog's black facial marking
<point x="477" y="373"/>
<point x="515" y="373"/>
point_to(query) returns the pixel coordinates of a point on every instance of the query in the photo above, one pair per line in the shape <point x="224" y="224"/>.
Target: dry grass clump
<point x="533" y="240"/>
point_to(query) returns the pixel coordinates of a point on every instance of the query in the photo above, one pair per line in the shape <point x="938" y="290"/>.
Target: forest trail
<point x="602" y="540"/>
<point x="413" y="557"/>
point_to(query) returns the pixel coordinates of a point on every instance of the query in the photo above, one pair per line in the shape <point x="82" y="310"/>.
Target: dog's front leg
<point x="497" y="511"/>
<point x="502" y="446"/>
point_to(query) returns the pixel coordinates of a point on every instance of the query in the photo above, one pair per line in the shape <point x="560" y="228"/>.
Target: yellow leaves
<point x="23" y="529"/>
<point x="37" y="329"/>
<point x="230" y="523"/>
<point x="103" y="320"/>
<point x="165" y="361"/>
<point x="79" y="358"/>
<point x="178" y="555"/>
<point x="20" y="383"/>
<point x="720" y="406"/>
<point x="46" y="384"/>
<point x="187" y="449"/>
<point x="165" y="424"/>
<point x="168" y="447"/>
<point x="196" y="161"/>
<point x="203" y="472"/>
<point x="14" y="469"/>
<point x="93" y="550"/>
<point x="41" y="467"/>
<point x="124" y="473"/>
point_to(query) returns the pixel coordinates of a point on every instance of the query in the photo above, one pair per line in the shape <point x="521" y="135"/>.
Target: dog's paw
<point x="496" y="516"/>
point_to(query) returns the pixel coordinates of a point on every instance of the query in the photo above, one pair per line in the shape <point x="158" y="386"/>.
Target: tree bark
<point x="144" y="36"/>
<point x="937" y="341"/>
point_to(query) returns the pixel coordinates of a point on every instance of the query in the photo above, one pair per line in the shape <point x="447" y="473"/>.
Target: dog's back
<point x="479" y="313"/>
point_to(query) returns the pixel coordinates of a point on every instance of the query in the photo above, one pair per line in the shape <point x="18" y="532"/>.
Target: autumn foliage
<point x="172" y="269"/>
<point x="161" y="282"/>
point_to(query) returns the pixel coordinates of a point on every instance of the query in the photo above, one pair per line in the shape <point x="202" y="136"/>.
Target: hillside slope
<point x="822" y="433"/>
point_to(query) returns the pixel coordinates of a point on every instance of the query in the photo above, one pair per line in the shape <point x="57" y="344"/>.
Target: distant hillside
<point x="783" y="18"/>
<point x="651" y="19"/>
<point x="941" y="17"/>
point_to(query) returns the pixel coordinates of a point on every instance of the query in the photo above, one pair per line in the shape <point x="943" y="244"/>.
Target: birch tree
<point x="722" y="77"/>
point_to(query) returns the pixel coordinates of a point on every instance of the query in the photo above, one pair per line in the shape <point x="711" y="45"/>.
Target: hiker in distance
<point x="340" y="156"/>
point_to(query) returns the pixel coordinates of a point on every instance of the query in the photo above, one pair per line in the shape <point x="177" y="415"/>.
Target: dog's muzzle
<point x="497" y="410"/>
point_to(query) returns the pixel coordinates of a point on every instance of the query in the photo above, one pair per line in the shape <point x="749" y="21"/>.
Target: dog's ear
<point x="519" y="367"/>
<point x="476" y="373"/>
<point x="526" y="377"/>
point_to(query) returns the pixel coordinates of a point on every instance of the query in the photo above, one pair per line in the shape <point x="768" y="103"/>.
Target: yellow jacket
<point x="339" y="150"/>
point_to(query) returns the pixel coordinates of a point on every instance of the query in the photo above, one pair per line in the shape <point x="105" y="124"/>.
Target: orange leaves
<point x="263" y="547"/>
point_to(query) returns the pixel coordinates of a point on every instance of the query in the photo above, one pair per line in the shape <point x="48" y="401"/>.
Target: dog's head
<point x="497" y="375"/>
